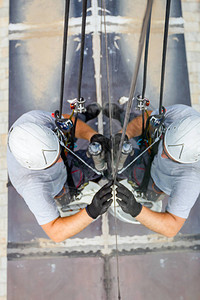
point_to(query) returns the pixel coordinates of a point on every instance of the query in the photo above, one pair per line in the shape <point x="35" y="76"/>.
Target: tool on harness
<point x="136" y="158"/>
<point x="127" y="149"/>
<point x="155" y="125"/>
<point x="97" y="153"/>
<point x="65" y="125"/>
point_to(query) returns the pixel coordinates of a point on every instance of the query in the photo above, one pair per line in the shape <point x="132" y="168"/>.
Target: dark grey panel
<point x="155" y="277"/>
<point x="170" y="276"/>
<point x="59" y="278"/>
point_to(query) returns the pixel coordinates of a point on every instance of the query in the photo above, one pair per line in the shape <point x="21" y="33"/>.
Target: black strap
<point x="70" y="181"/>
<point x="164" y="53"/>
<point x="145" y="71"/>
<point x="84" y="13"/>
<point x="147" y="174"/>
<point x="64" y="55"/>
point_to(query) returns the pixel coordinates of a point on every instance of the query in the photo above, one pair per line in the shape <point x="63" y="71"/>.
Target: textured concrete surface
<point x="4" y="19"/>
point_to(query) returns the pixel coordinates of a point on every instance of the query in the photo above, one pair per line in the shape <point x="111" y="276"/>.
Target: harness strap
<point x="147" y="174"/>
<point x="70" y="181"/>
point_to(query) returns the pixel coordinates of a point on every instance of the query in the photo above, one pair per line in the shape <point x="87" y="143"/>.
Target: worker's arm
<point x="63" y="228"/>
<point x="161" y="222"/>
<point x="134" y="127"/>
<point x="164" y="223"/>
<point x="83" y="131"/>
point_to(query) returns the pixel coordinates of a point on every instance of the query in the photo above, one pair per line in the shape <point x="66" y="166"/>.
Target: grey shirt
<point x="180" y="181"/>
<point x="38" y="188"/>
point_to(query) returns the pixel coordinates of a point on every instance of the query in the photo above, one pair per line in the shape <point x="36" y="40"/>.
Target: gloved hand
<point x="127" y="201"/>
<point x="100" y="201"/>
<point x="101" y="139"/>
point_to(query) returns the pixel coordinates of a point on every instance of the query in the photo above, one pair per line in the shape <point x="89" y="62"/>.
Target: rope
<point x="134" y="79"/>
<point x="112" y="152"/>
<point x="78" y="157"/>
<point x="122" y="170"/>
<point x="64" y="55"/>
<point x="145" y="69"/>
<point x="164" y="53"/>
<point x="84" y="13"/>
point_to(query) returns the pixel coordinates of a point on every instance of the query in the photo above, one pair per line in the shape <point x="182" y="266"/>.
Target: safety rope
<point x="84" y="14"/>
<point x="67" y="3"/>
<point x="134" y="79"/>
<point x="78" y="157"/>
<point x="164" y="53"/>
<point x="112" y="152"/>
<point x="145" y="71"/>
<point x="127" y="166"/>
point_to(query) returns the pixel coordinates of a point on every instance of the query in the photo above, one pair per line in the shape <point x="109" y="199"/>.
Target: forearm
<point x="63" y="228"/>
<point x="83" y="131"/>
<point x="134" y="128"/>
<point x="161" y="222"/>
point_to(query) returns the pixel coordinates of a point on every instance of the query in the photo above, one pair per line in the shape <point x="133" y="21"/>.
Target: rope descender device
<point x="142" y="103"/>
<point x="78" y="105"/>
<point x="156" y="123"/>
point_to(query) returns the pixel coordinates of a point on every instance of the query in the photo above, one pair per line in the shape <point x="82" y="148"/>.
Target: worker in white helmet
<point x="175" y="171"/>
<point x="38" y="173"/>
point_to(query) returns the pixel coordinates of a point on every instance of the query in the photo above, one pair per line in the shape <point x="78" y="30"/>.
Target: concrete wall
<point x="4" y="19"/>
<point x="191" y="15"/>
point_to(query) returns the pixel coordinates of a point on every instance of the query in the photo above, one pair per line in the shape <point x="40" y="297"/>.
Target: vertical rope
<point x="164" y="53"/>
<point x="64" y="55"/>
<point x="145" y="69"/>
<point x="84" y="13"/>
<point x="112" y="153"/>
<point x="134" y="79"/>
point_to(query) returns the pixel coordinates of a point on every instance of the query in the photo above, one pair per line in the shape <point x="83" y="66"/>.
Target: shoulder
<point x="36" y="116"/>
<point x="176" y="112"/>
<point x="180" y="109"/>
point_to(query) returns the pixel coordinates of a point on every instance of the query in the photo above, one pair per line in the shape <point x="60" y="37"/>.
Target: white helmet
<point x="34" y="146"/>
<point x="182" y="140"/>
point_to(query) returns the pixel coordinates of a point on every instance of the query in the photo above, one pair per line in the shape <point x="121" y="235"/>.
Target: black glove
<point x="127" y="200"/>
<point x="100" y="202"/>
<point x="101" y="139"/>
